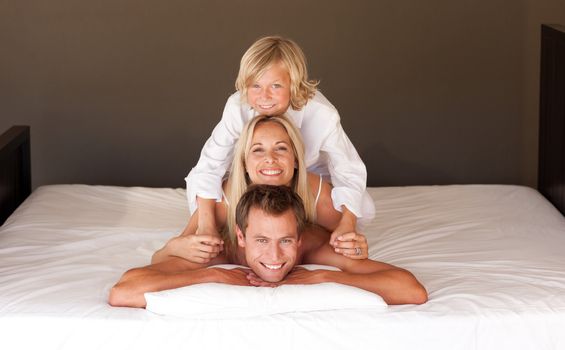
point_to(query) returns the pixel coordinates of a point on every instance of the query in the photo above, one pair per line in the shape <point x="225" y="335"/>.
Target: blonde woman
<point x="269" y="151"/>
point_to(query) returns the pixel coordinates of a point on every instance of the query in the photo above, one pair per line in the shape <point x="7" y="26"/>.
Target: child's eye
<point x="255" y="86"/>
<point x="277" y="86"/>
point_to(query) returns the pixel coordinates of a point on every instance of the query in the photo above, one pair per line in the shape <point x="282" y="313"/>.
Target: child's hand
<point x="351" y="244"/>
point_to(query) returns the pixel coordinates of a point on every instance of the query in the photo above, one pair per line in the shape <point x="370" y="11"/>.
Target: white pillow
<point x="217" y="300"/>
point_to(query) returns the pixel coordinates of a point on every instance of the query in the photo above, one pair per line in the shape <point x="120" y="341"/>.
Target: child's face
<point x="270" y="93"/>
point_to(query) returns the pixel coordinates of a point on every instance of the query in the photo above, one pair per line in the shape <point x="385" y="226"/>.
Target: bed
<point x="490" y="256"/>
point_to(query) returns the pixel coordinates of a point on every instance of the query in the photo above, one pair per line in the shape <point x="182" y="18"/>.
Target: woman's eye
<point x="257" y="150"/>
<point x="277" y="86"/>
<point x="282" y="149"/>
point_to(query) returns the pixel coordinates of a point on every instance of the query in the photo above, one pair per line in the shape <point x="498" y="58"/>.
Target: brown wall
<point x="126" y="92"/>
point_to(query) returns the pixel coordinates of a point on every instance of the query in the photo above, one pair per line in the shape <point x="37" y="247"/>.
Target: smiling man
<point x="272" y="238"/>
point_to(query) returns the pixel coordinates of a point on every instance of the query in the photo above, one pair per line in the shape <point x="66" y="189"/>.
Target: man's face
<point x="271" y="244"/>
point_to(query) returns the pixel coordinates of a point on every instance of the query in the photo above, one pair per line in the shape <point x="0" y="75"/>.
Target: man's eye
<point x="261" y="240"/>
<point x="286" y="241"/>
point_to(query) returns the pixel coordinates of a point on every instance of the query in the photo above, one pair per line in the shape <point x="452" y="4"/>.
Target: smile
<point x="270" y="172"/>
<point x="266" y="106"/>
<point x="273" y="267"/>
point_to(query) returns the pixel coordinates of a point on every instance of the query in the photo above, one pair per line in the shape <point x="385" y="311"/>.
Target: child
<point x="273" y="80"/>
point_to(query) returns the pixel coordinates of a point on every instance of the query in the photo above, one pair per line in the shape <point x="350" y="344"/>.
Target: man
<point x="271" y="241"/>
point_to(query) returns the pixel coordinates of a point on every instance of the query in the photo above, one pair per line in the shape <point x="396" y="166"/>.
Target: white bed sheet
<point x="492" y="259"/>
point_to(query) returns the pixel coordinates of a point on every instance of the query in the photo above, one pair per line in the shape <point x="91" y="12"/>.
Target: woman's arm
<point x="192" y="246"/>
<point x="342" y="225"/>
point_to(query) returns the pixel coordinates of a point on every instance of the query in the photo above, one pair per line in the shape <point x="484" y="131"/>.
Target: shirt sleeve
<point x="205" y="179"/>
<point x="347" y="170"/>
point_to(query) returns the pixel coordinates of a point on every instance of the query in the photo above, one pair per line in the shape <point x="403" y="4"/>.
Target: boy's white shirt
<point x="329" y="152"/>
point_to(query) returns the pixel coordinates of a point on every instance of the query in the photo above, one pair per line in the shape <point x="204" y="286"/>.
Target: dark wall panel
<point x="126" y="92"/>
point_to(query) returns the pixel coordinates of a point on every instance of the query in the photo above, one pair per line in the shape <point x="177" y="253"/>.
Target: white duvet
<point x="491" y="257"/>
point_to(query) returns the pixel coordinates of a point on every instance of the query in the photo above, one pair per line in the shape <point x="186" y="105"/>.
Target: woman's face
<point x="271" y="158"/>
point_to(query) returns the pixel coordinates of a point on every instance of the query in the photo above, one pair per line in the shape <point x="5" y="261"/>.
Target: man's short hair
<point x="273" y="200"/>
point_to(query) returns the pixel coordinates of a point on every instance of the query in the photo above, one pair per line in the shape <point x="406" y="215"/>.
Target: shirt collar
<point x="296" y="116"/>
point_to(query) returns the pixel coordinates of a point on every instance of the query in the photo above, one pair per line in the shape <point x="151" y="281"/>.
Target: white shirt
<point x="329" y="152"/>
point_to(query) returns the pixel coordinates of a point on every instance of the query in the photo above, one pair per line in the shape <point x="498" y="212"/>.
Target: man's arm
<point x="393" y="284"/>
<point x="173" y="273"/>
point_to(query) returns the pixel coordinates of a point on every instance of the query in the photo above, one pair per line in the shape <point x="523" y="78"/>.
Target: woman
<point x="269" y="151"/>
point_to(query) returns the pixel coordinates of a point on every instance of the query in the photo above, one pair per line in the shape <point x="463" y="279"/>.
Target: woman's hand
<point x="346" y="241"/>
<point x="352" y="245"/>
<point x="197" y="248"/>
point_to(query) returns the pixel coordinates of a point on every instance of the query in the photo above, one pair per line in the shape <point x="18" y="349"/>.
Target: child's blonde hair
<point x="270" y="50"/>
<point x="239" y="181"/>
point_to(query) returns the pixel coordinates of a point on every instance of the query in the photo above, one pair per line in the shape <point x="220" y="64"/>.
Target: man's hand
<point x="298" y="275"/>
<point x="256" y="281"/>
<point x="198" y="248"/>
<point x="237" y="276"/>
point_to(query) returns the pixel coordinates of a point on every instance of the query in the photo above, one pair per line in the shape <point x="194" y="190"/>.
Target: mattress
<point x="490" y="256"/>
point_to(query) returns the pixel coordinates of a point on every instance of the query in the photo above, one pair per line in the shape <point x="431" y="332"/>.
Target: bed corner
<point x="15" y="169"/>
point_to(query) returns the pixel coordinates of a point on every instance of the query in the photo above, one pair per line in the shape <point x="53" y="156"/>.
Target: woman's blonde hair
<point x="239" y="180"/>
<point x="270" y="50"/>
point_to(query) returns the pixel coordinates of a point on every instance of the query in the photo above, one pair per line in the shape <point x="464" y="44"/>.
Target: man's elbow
<point x="412" y="292"/>
<point x="116" y="298"/>
<point x="122" y="294"/>
<point x="419" y="295"/>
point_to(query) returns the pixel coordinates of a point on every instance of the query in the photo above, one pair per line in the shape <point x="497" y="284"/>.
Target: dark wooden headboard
<point x="15" y="169"/>
<point x="551" y="171"/>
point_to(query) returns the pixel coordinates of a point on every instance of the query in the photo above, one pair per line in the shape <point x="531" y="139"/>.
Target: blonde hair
<point x="270" y="50"/>
<point x="239" y="181"/>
